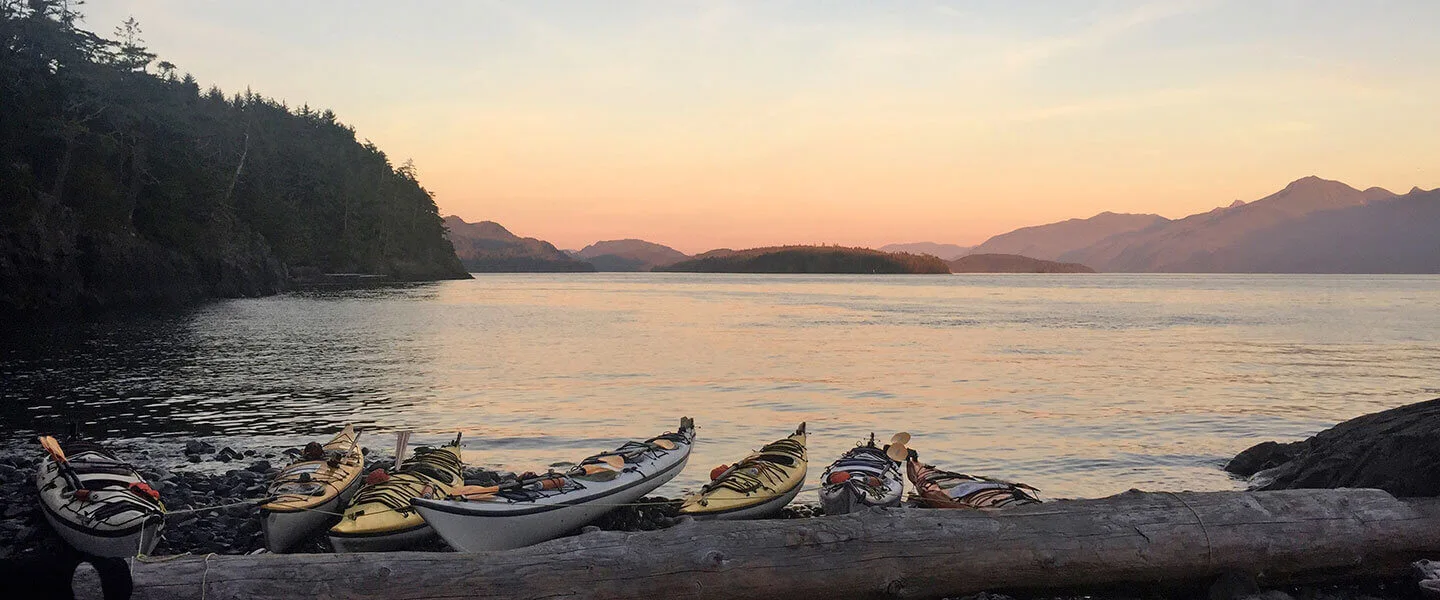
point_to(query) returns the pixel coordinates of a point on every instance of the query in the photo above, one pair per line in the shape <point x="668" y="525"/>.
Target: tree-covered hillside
<point x="123" y="183"/>
<point x="810" y="259"/>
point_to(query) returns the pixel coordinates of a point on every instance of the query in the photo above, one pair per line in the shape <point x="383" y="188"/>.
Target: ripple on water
<point x="1081" y="386"/>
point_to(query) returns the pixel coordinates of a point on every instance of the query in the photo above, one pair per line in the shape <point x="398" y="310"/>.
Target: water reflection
<point x="1080" y="385"/>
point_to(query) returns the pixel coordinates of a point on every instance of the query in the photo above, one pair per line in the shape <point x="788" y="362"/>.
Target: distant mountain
<point x="1051" y="241"/>
<point x="487" y="247"/>
<point x="809" y="259"/>
<point x="1012" y="263"/>
<point x="1398" y="235"/>
<point x="945" y="251"/>
<point x="1188" y="244"/>
<point x="629" y="255"/>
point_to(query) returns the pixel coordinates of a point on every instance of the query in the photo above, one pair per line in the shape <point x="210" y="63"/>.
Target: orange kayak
<point x="935" y="488"/>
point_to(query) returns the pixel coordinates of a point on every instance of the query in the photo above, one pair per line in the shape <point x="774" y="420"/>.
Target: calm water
<point x="1080" y="385"/>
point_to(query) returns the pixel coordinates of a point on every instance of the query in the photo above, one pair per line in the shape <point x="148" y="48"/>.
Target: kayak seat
<point x="427" y="470"/>
<point x="100" y="483"/>
<point x="107" y="468"/>
<point x="779" y="459"/>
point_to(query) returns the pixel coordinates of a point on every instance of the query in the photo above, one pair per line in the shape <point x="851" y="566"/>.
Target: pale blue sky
<point x="706" y="124"/>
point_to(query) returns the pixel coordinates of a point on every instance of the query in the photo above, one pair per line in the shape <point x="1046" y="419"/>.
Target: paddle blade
<point x="901" y="438"/>
<point x="897" y="452"/>
<point x="402" y="441"/>
<point x="52" y="446"/>
<point x="664" y="443"/>
<point x="613" y="460"/>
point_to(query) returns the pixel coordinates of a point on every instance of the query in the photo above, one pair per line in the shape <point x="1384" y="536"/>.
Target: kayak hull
<point x="285" y="529"/>
<point x="522" y="518"/>
<point x="936" y="488"/>
<point x="112" y="520"/>
<point x="379" y="516"/>
<point x="763" y="510"/>
<point x="867" y="478"/>
<point x="308" y="494"/>
<point x="471" y="527"/>
<point x="140" y="540"/>
<point x="757" y="486"/>
<point x="383" y="542"/>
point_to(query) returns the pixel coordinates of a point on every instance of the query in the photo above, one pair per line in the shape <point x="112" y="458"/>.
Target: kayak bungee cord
<point x="741" y="478"/>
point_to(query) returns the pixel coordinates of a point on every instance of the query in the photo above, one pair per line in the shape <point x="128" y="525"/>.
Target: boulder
<point x="1397" y="450"/>
<point x="1262" y="456"/>
<point x="198" y="447"/>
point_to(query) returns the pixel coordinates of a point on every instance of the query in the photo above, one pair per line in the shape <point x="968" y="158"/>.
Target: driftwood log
<point x="1290" y="536"/>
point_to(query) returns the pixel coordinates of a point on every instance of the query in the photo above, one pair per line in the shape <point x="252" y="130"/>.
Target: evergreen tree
<point x="131" y="164"/>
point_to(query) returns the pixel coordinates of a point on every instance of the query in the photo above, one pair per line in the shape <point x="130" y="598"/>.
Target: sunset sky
<point x="738" y="124"/>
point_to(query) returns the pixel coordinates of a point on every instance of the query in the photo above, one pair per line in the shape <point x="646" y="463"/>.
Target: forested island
<point x="124" y="184"/>
<point x="1012" y="263"/>
<point x="809" y="259"/>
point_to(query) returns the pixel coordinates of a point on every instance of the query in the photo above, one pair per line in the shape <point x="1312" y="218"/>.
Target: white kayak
<point x="864" y="477"/>
<point x="530" y="511"/>
<point x="98" y="503"/>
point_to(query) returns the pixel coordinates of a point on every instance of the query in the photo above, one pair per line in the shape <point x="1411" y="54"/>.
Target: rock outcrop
<point x="1397" y="450"/>
<point x="50" y="264"/>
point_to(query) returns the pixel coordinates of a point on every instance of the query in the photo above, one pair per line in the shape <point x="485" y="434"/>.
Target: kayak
<point x="935" y="488"/>
<point x="380" y="517"/>
<point x="307" y="494"/>
<point x="98" y="503"/>
<point x="543" y="507"/>
<point x="864" y="477"/>
<point x="756" y="487"/>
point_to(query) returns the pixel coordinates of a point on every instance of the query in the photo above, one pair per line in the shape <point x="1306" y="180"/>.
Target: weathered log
<point x="1281" y="537"/>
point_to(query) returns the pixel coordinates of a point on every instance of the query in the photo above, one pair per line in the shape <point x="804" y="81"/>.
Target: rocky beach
<point x="212" y="495"/>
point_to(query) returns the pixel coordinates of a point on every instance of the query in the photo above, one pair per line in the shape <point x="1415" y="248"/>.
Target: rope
<point x="186" y="511"/>
<point x="205" y="575"/>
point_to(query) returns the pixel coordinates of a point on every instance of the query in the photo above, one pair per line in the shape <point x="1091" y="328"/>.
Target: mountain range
<point x="487" y="246"/>
<point x="1050" y="242"/>
<point x="629" y="255"/>
<point x="1313" y="225"/>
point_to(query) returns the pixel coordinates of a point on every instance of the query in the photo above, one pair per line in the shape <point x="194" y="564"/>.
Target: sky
<point x="737" y="124"/>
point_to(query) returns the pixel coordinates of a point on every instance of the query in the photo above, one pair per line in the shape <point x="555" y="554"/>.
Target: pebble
<point x="198" y="447"/>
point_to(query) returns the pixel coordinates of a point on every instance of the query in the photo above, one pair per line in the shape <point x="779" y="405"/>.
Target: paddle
<point x="897" y="450"/>
<point x="402" y="440"/>
<point x="608" y="464"/>
<point x="52" y="446"/>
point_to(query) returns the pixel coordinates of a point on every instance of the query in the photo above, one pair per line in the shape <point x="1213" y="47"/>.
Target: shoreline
<point x="234" y="529"/>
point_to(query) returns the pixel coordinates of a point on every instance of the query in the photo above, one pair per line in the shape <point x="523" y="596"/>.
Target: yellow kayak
<point x="306" y="494"/>
<point x="758" y="486"/>
<point x="381" y="518"/>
